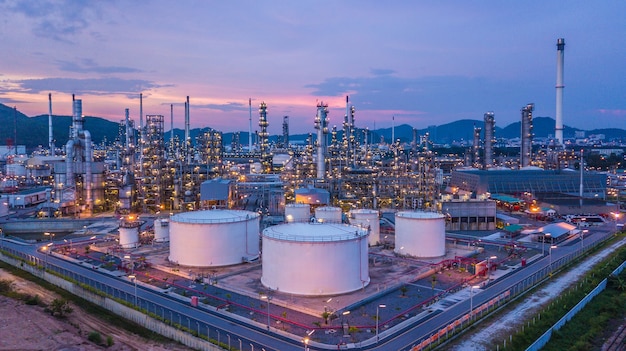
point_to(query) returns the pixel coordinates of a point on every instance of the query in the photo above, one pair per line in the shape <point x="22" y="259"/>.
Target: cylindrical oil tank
<point x="315" y="259"/>
<point x="328" y="214"/>
<point x="297" y="213"/>
<point x="367" y="218"/>
<point x="214" y="237"/>
<point x="420" y="234"/>
<point x="161" y="230"/>
<point x="129" y="234"/>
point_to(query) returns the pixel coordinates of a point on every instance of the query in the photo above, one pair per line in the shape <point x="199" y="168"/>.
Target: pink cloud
<point x="612" y="112"/>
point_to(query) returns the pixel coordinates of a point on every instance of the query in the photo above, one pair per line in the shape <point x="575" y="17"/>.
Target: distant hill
<point x="33" y="131"/>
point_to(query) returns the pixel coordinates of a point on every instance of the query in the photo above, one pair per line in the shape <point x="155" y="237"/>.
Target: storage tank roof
<point x="314" y="232"/>
<point x="297" y="205"/>
<point x="329" y="209"/>
<point x="420" y="215"/>
<point x="364" y="211"/>
<point x="214" y="216"/>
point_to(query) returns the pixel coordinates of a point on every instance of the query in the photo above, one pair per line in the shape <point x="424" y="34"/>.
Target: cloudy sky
<point x="424" y="62"/>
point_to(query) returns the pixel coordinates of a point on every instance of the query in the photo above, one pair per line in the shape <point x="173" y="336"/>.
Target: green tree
<point x="325" y="315"/>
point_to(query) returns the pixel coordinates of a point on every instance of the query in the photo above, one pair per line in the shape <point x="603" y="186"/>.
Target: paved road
<point x="228" y="329"/>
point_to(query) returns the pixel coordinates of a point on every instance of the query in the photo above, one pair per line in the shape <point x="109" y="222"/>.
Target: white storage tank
<point x="129" y="234"/>
<point x="328" y="214"/>
<point x="297" y="213"/>
<point x="420" y="234"/>
<point x="315" y="259"/>
<point x="368" y="219"/>
<point x="214" y="237"/>
<point x="161" y="230"/>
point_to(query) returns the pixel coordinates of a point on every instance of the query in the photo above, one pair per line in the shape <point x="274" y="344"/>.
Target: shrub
<point x="110" y="341"/>
<point x="95" y="337"/>
<point x="60" y="307"/>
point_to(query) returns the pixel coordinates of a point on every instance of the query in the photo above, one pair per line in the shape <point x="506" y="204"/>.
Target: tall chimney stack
<point x="250" y="126"/>
<point x="50" y="137"/>
<point x="560" y="49"/>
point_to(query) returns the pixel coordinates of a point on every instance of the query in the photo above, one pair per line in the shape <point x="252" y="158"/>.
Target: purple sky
<point x="426" y="62"/>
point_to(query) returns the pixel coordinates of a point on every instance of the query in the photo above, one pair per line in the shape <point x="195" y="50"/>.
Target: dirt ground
<point x="25" y="327"/>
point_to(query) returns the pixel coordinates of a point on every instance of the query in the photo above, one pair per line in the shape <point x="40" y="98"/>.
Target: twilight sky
<point x="424" y="62"/>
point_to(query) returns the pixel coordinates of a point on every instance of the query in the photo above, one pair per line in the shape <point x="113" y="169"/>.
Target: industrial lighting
<point x="551" y="247"/>
<point x="471" y="298"/>
<point x="377" y="318"/>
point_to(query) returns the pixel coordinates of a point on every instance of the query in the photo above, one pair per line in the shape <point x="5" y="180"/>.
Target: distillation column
<point x="476" y="147"/>
<point x="526" y="135"/>
<point x="264" y="147"/>
<point x="490" y="125"/>
<point x="79" y="154"/>
<point x="321" y="121"/>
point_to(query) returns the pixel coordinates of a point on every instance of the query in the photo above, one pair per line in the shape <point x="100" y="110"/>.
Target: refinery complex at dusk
<point x="347" y="238"/>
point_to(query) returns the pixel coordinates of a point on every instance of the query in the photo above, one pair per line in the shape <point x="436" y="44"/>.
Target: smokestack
<point x="582" y="167"/>
<point x="172" y="126"/>
<point x="15" y="128"/>
<point x="393" y="129"/>
<point x="187" y="137"/>
<point x="141" y="134"/>
<point x="50" y="138"/>
<point x="560" y="49"/>
<point x="127" y="125"/>
<point x="141" y="115"/>
<point x="286" y="131"/>
<point x="250" y="126"/>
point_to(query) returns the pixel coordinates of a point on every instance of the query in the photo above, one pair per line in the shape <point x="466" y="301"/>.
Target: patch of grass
<point x="585" y="330"/>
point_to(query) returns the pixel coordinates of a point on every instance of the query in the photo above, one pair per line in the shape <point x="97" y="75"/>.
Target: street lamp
<point x="133" y="278"/>
<point x="472" y="298"/>
<point x="344" y="314"/>
<point x="268" y="298"/>
<point x="51" y="235"/>
<point x="46" y="249"/>
<point x="306" y="343"/>
<point x="582" y="238"/>
<point x="543" y="244"/>
<point x="70" y="241"/>
<point x="378" y="307"/>
<point x="551" y="247"/>
<point x="489" y="267"/>
<point x="130" y="261"/>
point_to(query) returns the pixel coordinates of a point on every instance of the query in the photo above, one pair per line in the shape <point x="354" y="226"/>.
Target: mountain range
<point x="33" y="131"/>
